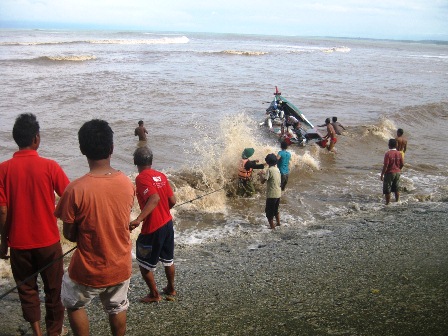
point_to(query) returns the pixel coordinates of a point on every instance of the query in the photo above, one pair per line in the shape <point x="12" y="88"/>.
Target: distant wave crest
<point x="244" y="53"/>
<point x="37" y="43"/>
<point x="69" y="58"/>
<point x="337" y="49"/>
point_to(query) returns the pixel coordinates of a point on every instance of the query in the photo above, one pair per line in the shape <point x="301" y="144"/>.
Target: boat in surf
<point x="287" y="122"/>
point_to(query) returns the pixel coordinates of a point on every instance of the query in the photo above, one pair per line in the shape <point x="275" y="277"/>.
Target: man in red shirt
<point x="28" y="184"/>
<point x="156" y="240"/>
<point x="390" y="175"/>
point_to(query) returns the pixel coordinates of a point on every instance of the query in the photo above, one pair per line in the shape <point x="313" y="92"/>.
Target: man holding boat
<point x="245" y="184"/>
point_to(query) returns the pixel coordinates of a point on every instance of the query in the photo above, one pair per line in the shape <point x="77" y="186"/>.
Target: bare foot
<point x="167" y="292"/>
<point x="150" y="299"/>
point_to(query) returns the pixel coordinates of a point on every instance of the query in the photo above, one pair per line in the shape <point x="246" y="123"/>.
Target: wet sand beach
<point x="383" y="273"/>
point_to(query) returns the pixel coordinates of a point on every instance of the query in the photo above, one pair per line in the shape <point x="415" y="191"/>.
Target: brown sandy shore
<point x="382" y="273"/>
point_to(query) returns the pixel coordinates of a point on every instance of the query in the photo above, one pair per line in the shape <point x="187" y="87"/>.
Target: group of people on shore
<point x="95" y="211"/>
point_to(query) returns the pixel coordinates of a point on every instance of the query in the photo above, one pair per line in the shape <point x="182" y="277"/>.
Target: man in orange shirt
<point x="28" y="184"/>
<point x="96" y="211"/>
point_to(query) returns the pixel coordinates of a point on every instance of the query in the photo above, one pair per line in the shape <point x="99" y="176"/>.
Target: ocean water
<point x="202" y="98"/>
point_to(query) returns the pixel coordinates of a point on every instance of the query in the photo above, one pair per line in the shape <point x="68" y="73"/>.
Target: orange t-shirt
<point x="100" y="207"/>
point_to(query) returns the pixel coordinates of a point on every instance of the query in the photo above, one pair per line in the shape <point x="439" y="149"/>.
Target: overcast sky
<point x="395" y="19"/>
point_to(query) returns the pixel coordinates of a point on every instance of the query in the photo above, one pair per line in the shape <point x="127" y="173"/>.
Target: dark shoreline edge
<point x="382" y="273"/>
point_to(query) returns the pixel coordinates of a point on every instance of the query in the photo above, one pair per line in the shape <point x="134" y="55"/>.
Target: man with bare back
<point x="141" y="131"/>
<point x="331" y="134"/>
<point x="401" y="142"/>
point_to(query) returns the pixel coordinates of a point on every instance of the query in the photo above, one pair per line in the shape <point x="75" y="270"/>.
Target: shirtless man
<point x="337" y="126"/>
<point x="141" y="131"/>
<point x="401" y="142"/>
<point x="331" y="134"/>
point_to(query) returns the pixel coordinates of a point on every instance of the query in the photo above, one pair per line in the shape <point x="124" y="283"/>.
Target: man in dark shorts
<point x="273" y="190"/>
<point x="156" y="240"/>
<point x="390" y="175"/>
<point x="28" y="184"/>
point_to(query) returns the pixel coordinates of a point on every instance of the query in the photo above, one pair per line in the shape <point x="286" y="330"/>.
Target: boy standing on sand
<point x="390" y="175"/>
<point x="156" y="240"/>
<point x="141" y="131"/>
<point x="95" y="210"/>
<point x="27" y="197"/>
<point x="273" y="190"/>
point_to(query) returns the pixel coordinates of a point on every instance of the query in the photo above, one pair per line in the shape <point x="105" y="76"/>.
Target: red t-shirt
<point x="100" y="206"/>
<point x="150" y="182"/>
<point x="27" y="186"/>
<point x="393" y="161"/>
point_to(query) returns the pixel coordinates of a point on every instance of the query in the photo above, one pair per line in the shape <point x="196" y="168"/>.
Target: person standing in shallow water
<point x="273" y="190"/>
<point x="28" y="184"/>
<point x="283" y="158"/>
<point x="390" y="175"/>
<point x="156" y="240"/>
<point x="141" y="131"/>
<point x="331" y="134"/>
<point x="95" y="210"/>
<point x="245" y="169"/>
<point x="338" y="128"/>
<point x="402" y="142"/>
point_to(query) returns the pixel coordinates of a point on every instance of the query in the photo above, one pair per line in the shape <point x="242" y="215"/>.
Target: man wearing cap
<point x="273" y="190"/>
<point x="245" y="185"/>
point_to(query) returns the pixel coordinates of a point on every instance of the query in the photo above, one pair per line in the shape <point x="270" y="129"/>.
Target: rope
<point x="72" y="249"/>
<point x="34" y="274"/>
<point x="194" y="199"/>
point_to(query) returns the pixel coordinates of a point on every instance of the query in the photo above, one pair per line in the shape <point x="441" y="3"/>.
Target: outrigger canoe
<point x="289" y="123"/>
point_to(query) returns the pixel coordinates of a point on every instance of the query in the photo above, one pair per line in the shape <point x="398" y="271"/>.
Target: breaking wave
<point x="69" y="58"/>
<point x="337" y="49"/>
<point x="244" y="53"/>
